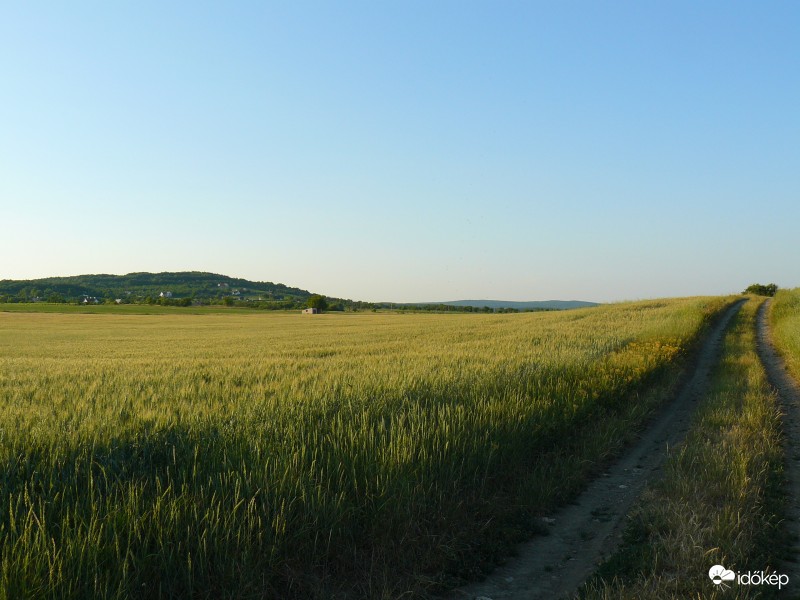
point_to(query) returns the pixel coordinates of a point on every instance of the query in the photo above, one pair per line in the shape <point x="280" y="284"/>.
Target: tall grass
<point x="258" y="456"/>
<point x="785" y="321"/>
<point x="719" y="501"/>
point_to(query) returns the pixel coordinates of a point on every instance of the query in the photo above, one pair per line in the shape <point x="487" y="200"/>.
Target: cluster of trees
<point x="761" y="290"/>
<point x="33" y="295"/>
<point x="259" y="304"/>
<point x="317" y="301"/>
<point x="186" y="301"/>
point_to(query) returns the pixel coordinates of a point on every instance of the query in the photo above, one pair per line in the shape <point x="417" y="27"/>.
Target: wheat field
<point x="327" y="456"/>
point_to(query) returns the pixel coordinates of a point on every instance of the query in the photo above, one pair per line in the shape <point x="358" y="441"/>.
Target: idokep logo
<point x="720" y="576"/>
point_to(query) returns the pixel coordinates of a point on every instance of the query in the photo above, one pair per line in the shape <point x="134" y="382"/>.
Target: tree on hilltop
<point x="762" y="290"/>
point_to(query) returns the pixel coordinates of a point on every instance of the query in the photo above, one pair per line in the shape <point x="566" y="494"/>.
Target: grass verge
<point x="785" y="321"/>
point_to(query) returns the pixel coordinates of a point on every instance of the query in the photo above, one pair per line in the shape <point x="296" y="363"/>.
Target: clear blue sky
<point x="406" y="151"/>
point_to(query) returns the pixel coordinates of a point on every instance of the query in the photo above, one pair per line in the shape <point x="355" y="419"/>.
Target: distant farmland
<point x="276" y="455"/>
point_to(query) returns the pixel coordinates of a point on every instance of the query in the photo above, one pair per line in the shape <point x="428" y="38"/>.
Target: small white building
<point x="310" y="311"/>
<point x="166" y="294"/>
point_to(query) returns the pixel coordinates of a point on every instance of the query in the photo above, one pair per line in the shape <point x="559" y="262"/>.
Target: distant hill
<point x="535" y="305"/>
<point x="139" y="286"/>
<point x="193" y="287"/>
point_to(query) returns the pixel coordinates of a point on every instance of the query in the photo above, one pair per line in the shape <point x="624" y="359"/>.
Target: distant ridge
<point x="533" y="305"/>
<point x="193" y="284"/>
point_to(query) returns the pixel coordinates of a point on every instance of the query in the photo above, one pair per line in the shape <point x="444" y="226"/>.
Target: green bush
<point x="761" y="290"/>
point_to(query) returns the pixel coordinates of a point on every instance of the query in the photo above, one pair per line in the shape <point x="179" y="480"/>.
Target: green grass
<point x="785" y="321"/>
<point x="719" y="501"/>
<point x="276" y="455"/>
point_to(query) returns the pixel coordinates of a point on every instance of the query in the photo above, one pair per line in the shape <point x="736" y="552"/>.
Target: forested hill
<point x="137" y="287"/>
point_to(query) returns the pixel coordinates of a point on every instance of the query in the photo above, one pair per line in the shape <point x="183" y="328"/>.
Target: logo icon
<point x="719" y="575"/>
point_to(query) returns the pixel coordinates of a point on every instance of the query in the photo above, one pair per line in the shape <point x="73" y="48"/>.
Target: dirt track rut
<point x="584" y="533"/>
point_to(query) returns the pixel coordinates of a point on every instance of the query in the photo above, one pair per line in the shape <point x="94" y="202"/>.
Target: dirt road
<point x="582" y="534"/>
